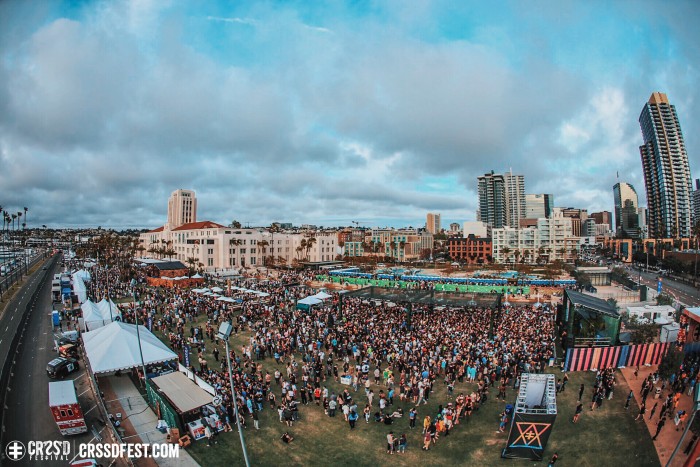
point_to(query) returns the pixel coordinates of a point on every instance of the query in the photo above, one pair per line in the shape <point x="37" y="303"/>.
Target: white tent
<point x="79" y="288"/>
<point x="83" y="274"/>
<point x="108" y="308"/>
<point x="322" y="296"/>
<point x="115" y="347"/>
<point x="97" y="315"/>
<point x="196" y="276"/>
<point x="309" y="301"/>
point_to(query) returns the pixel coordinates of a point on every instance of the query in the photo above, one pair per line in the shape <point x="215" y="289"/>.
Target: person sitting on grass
<point x="287" y="438"/>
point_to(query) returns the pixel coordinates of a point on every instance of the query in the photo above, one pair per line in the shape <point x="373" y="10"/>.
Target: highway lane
<point x="686" y="294"/>
<point x="27" y="414"/>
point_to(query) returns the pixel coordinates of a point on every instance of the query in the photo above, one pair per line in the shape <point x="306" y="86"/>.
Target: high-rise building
<point x="642" y="213"/>
<point x="432" y="223"/>
<point x="577" y="216"/>
<point x="626" y="210"/>
<point x="666" y="170"/>
<point x="182" y="208"/>
<point x="492" y="199"/>
<point x="603" y="217"/>
<point x="501" y="199"/>
<point x="696" y="202"/>
<point x="515" y="199"/>
<point x="539" y="206"/>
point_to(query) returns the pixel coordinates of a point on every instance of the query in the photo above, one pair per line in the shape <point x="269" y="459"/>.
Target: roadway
<point x="684" y="293"/>
<point x="27" y="416"/>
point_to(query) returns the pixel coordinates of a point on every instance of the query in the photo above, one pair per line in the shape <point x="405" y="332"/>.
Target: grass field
<point x="607" y="436"/>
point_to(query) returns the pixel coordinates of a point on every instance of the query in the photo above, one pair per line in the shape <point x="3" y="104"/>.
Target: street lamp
<point x="223" y="334"/>
<point x="138" y="334"/>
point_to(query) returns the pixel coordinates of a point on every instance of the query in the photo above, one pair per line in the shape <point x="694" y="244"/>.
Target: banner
<point x="659" y="286"/>
<point x="150" y="323"/>
<point x="186" y="356"/>
<point x="528" y="436"/>
<point x="599" y="358"/>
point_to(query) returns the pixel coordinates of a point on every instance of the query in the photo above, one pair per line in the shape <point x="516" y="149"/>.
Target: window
<point x="63" y="413"/>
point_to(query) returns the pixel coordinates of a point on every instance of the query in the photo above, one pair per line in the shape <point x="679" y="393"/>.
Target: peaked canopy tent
<point x="79" y="288"/>
<point x="308" y="302"/>
<point x="96" y="315"/>
<point x="115" y="347"/>
<point x="322" y="296"/>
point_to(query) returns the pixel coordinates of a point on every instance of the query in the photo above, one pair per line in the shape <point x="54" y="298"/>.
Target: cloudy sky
<point x="303" y="112"/>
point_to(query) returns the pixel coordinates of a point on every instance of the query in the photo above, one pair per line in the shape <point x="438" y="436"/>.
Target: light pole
<point x="138" y="334"/>
<point x="223" y="334"/>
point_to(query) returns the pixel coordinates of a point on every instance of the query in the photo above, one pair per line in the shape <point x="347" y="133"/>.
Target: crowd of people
<point x="369" y="346"/>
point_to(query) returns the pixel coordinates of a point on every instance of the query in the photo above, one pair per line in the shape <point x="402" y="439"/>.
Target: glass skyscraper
<point x="666" y="170"/>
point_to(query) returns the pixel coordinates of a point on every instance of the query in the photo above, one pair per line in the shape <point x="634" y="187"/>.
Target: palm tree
<point x="309" y="244"/>
<point x="262" y="244"/>
<point x="402" y="244"/>
<point x="506" y="252"/>
<point x="392" y="247"/>
<point x="25" y="218"/>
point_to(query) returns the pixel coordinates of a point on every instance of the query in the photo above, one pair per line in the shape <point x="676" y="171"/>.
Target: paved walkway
<point x="139" y="421"/>
<point x="669" y="436"/>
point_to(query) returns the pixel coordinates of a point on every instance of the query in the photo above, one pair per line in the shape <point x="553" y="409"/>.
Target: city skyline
<point x="329" y="114"/>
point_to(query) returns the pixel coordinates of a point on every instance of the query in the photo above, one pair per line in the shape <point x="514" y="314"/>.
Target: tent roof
<point x="311" y="300"/>
<point x="322" y="295"/>
<point x="91" y="312"/>
<point x="105" y="310"/>
<point x="184" y="394"/>
<point x="115" y="347"/>
<point x="169" y="265"/>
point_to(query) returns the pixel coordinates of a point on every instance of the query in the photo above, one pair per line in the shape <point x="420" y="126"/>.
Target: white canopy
<point x="322" y="295"/>
<point x="196" y="276"/>
<point x="83" y="274"/>
<point x="311" y="300"/>
<point x="79" y="288"/>
<point x="115" y="347"/>
<point x="108" y="310"/>
<point x="90" y="310"/>
<point x="217" y="289"/>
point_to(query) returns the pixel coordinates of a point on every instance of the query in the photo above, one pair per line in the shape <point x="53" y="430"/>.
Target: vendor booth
<point x="182" y="404"/>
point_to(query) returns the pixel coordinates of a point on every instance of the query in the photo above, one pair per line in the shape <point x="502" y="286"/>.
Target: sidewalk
<point x="139" y="421"/>
<point x="668" y="438"/>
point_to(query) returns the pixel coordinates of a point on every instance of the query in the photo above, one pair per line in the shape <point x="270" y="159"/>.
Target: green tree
<point x="642" y="333"/>
<point x="663" y="299"/>
<point x="671" y="362"/>
<point x="235" y="224"/>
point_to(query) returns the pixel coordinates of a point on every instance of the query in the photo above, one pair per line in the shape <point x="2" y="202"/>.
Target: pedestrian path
<point x="670" y="434"/>
<point x="143" y="420"/>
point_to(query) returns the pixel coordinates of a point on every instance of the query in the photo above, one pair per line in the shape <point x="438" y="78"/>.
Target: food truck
<point x="65" y="408"/>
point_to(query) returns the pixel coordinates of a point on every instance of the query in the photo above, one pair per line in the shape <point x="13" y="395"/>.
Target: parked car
<point x="61" y="367"/>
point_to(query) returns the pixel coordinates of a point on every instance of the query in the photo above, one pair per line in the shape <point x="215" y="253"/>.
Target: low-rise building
<point x="473" y="250"/>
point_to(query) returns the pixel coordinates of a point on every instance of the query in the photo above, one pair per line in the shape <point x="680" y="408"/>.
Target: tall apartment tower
<point x="515" y="199"/>
<point x="626" y="210"/>
<point x="432" y="223"/>
<point x="182" y="208"/>
<point x="539" y="206"/>
<point x="492" y="199"/>
<point x="501" y="199"/>
<point x="696" y="202"/>
<point x="666" y="170"/>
